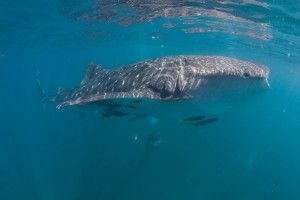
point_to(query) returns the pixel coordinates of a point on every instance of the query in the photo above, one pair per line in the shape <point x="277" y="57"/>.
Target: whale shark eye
<point x="246" y="75"/>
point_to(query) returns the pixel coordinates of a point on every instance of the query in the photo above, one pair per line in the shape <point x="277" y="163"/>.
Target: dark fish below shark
<point x="180" y="86"/>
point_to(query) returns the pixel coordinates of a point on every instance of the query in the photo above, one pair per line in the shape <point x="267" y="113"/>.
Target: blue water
<point x="252" y="152"/>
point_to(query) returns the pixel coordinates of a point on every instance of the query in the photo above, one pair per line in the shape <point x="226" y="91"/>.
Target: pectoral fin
<point x="136" y="94"/>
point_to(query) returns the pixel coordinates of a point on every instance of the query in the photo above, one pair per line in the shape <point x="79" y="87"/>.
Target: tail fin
<point x="41" y="90"/>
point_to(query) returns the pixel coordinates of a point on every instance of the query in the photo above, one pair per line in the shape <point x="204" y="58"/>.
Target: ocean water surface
<point x="252" y="152"/>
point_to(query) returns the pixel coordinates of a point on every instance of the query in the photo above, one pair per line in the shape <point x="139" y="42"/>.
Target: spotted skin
<point x="164" y="79"/>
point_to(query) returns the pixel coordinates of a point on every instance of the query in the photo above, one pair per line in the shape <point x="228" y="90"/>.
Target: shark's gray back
<point x="141" y="75"/>
<point x="161" y="78"/>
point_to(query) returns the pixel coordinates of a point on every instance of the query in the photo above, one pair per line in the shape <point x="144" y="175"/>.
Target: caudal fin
<point x="38" y="83"/>
<point x="42" y="92"/>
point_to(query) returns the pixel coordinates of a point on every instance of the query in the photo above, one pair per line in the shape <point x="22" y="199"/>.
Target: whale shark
<point x="184" y="87"/>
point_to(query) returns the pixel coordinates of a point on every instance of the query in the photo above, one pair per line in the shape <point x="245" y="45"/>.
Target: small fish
<point x="205" y="122"/>
<point x="106" y="103"/>
<point x="137" y="101"/>
<point x="194" y="118"/>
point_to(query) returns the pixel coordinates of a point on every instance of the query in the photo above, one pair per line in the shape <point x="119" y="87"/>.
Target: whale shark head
<point x="221" y="80"/>
<point x="218" y="66"/>
<point x="224" y="73"/>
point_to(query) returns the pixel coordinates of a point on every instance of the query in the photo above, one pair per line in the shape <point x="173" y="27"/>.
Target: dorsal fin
<point x="91" y="71"/>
